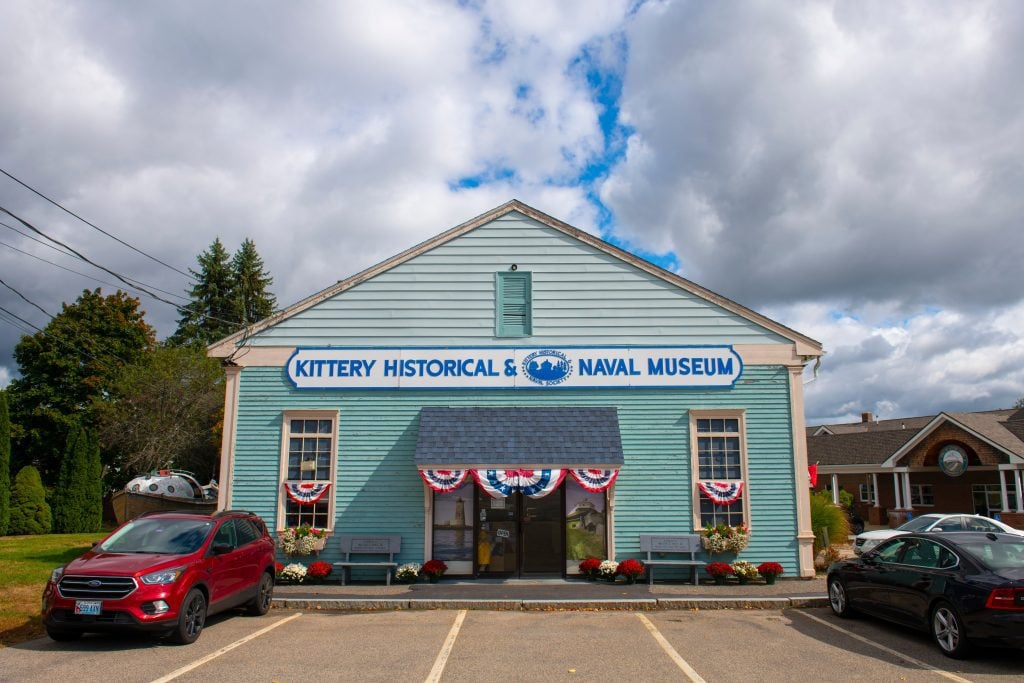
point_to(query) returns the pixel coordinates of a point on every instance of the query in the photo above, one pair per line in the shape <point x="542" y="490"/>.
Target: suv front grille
<point x="96" y="587"/>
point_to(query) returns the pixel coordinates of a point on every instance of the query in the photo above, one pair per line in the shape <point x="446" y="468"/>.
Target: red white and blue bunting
<point x="595" y="481"/>
<point x="307" y="493"/>
<point x="444" y="481"/>
<point x="533" y="483"/>
<point x="722" y="492"/>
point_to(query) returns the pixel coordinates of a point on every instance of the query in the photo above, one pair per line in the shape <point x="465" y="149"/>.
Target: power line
<point x="25" y="298"/>
<point x="35" y="239"/>
<point x="95" y="227"/>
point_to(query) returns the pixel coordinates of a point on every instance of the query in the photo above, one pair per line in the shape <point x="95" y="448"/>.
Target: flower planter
<point x="719" y="580"/>
<point x="769" y="579"/>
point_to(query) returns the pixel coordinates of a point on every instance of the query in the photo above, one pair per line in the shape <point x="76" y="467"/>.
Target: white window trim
<point x="282" y="471"/>
<point x="920" y="495"/>
<point x="869" y="488"/>
<point x="737" y="414"/>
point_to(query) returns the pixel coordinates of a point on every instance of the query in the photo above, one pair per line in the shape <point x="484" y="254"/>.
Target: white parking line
<point x="227" y="648"/>
<point x="671" y="651"/>
<point x="446" y="649"/>
<point x="910" y="660"/>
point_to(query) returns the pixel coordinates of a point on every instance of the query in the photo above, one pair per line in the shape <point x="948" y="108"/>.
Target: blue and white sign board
<point x="514" y="368"/>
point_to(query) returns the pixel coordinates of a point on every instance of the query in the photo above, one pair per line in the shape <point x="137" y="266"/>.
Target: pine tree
<point x="29" y="512"/>
<point x="252" y="300"/>
<point x="5" y="465"/>
<point x="211" y="313"/>
<point x="94" y="500"/>
<point x="70" y="508"/>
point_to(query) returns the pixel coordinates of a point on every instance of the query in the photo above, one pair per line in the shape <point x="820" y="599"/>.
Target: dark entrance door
<point x="519" y="535"/>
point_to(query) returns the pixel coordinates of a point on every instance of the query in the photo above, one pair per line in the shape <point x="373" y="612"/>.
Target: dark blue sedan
<point x="960" y="587"/>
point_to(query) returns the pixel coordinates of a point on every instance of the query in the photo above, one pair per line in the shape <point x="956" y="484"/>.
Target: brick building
<point x="950" y="462"/>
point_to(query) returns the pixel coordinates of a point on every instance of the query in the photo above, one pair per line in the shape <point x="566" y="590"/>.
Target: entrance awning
<point x="519" y="449"/>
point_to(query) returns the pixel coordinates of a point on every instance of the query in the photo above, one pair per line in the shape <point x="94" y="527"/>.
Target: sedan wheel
<point x="192" y="617"/>
<point x="948" y="631"/>
<point x="838" y="600"/>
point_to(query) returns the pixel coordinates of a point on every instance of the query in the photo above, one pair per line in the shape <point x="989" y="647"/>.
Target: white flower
<point x="294" y="572"/>
<point x="608" y="568"/>
<point x="744" y="569"/>
<point x="408" y="572"/>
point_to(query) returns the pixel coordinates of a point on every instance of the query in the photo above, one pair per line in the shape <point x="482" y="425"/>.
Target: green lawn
<point x="25" y="565"/>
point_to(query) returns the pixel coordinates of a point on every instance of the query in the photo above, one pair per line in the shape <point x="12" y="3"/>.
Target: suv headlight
<point x="163" y="576"/>
<point x="56" y="574"/>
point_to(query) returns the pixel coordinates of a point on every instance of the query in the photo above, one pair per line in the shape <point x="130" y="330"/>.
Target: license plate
<point x="88" y="607"/>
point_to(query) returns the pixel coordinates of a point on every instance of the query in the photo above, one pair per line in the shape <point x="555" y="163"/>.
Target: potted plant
<point x="590" y="568"/>
<point x="317" y="571"/>
<point x="631" y="569"/>
<point x="769" y="570"/>
<point x="719" y="571"/>
<point x="609" y="570"/>
<point x="408" y="573"/>
<point x="292" y="573"/>
<point x="722" y="538"/>
<point x="433" y="570"/>
<point x="302" y="540"/>
<point x="744" y="571"/>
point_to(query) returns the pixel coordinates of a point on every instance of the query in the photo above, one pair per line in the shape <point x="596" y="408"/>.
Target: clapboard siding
<point x="379" y="489"/>
<point x="581" y="296"/>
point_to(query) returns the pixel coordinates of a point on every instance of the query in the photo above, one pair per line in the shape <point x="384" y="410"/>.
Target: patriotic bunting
<point x="305" y="494"/>
<point x="444" y="481"/>
<point x="722" y="492"/>
<point x="533" y="483"/>
<point x="595" y="481"/>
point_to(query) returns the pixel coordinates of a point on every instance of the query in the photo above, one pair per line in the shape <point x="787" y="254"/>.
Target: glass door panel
<point x="543" y="526"/>
<point x="497" y="541"/>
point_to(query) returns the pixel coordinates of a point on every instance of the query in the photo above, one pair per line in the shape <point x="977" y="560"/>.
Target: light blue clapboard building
<point x="514" y="395"/>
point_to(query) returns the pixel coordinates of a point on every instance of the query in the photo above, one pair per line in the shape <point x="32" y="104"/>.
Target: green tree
<point x="168" y="413"/>
<point x="29" y="512"/>
<point x="211" y="315"/>
<point x="94" y="498"/>
<point x="71" y="504"/>
<point x="252" y="300"/>
<point x="69" y="367"/>
<point x="1019" y="403"/>
<point x="5" y="464"/>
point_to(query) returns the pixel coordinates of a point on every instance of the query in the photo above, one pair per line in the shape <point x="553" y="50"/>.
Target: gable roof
<point x="885" y="442"/>
<point x="805" y="346"/>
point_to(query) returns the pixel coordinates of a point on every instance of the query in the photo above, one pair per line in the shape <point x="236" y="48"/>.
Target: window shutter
<point x="514" y="306"/>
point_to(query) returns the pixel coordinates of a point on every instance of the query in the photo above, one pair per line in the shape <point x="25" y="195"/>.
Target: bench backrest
<point x="670" y="543"/>
<point x="370" y="544"/>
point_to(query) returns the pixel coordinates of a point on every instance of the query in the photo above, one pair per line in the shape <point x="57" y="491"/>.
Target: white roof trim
<point x="932" y="426"/>
<point x="805" y="346"/>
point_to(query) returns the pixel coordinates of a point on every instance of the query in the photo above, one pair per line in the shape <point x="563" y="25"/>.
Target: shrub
<point x="73" y="509"/>
<point x="29" y="512"/>
<point x="827" y="515"/>
<point x="5" y="464"/>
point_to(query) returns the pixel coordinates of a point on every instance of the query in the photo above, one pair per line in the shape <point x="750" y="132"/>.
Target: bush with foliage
<point x="827" y="515"/>
<point x="75" y="500"/>
<point x="30" y="513"/>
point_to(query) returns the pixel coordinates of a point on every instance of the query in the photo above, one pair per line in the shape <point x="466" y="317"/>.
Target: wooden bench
<point x="671" y="544"/>
<point x="368" y="545"/>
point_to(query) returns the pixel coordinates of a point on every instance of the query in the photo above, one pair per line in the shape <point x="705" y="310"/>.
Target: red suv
<point x="163" y="572"/>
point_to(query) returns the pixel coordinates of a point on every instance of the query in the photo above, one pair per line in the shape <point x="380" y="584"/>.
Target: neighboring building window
<point x="513" y="308"/>
<point x="308" y="457"/>
<point x="719" y="455"/>
<point x="867" y="493"/>
<point x="922" y="494"/>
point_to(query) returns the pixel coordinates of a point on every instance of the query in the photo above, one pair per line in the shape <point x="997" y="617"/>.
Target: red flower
<point x="769" y="568"/>
<point x="434" y="568"/>
<point x="278" y="567"/>
<point x="630" y="567"/>
<point x="319" y="570"/>
<point x="590" y="565"/>
<point x="718" y="569"/>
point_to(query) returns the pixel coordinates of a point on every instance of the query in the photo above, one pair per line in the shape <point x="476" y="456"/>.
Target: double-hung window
<point x="309" y="454"/>
<point x="719" y="465"/>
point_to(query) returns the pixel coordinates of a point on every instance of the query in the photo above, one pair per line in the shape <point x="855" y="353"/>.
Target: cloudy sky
<point x="854" y="170"/>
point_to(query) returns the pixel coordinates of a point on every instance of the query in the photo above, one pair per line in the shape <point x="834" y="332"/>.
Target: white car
<point x="954" y="522"/>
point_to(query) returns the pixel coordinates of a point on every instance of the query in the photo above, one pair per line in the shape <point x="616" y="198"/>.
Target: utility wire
<point x="35" y="239"/>
<point x="63" y="343"/>
<point x="25" y="298"/>
<point x="95" y="227"/>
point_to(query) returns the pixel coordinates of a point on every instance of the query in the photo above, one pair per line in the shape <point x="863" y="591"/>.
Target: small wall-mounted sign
<point x="953" y="461"/>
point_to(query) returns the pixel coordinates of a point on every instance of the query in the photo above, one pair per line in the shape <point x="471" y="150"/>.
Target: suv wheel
<point x="63" y="636"/>
<point x="260" y="605"/>
<point x="191" y="618"/>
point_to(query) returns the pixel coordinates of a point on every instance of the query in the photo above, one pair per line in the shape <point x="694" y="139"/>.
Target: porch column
<point x="1002" y="492"/>
<point x="874" y="487"/>
<point x="906" y="491"/>
<point x="896" y="490"/>
<point x="1017" y="479"/>
<point x="835" y="489"/>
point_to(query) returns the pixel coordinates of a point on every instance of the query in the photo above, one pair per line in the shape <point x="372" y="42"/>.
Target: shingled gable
<point x="983" y="426"/>
<point x="804" y="346"/>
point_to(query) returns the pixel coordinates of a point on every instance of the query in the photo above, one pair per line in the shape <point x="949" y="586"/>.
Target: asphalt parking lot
<point x="477" y="645"/>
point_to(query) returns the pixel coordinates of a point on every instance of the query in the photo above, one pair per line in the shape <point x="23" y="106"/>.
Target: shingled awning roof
<point x="555" y="437"/>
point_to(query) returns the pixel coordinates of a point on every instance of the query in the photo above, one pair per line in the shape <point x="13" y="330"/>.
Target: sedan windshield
<point x="919" y="523"/>
<point x="162" y="536"/>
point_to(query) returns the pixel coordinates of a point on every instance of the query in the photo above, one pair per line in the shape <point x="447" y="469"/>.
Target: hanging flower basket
<point x="725" y="539"/>
<point x="303" y="540"/>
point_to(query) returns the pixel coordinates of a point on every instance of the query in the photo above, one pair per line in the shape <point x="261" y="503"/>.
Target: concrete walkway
<point x="548" y="594"/>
